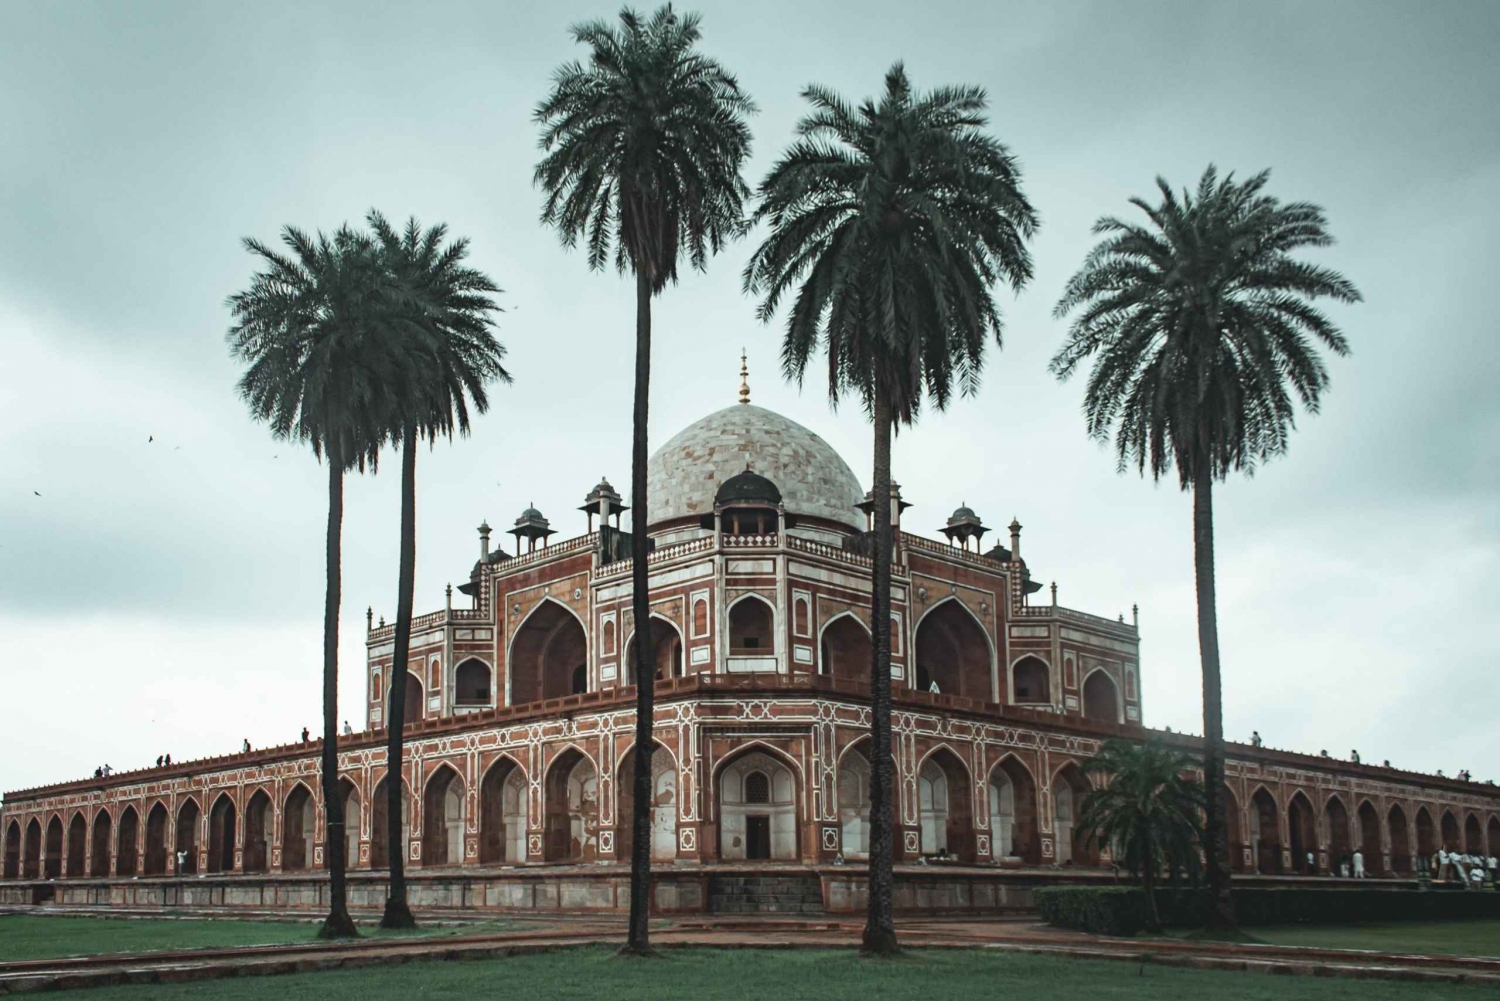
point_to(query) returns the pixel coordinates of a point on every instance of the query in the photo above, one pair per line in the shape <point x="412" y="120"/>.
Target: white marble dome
<point x="685" y="473"/>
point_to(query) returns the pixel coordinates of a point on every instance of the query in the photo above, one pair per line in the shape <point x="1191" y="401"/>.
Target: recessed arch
<point x="443" y="804"/>
<point x="758" y="793"/>
<point x="52" y="860"/>
<point x="1368" y="819"/>
<point x="752" y="626"/>
<point x="99" y="858"/>
<point x="473" y="682"/>
<point x="127" y="852"/>
<point x="78" y="840"/>
<point x="664" y="804"/>
<point x="221" y="829"/>
<point x="1234" y="840"/>
<point x="1340" y="843"/>
<point x="853" y="781"/>
<point x="349" y="796"/>
<point x="1101" y="697"/>
<point x="1395" y="821"/>
<point x="380" y="814"/>
<point x="1030" y="680"/>
<point x="570" y="807"/>
<point x="32" y="864"/>
<point x="156" y="839"/>
<point x="189" y="813"/>
<point x="845" y="647"/>
<point x="1265" y="830"/>
<point x="1014" y="830"/>
<point x="1492" y="832"/>
<point x="504" y="794"/>
<point x="1302" y="833"/>
<point x="954" y="652"/>
<point x="12" y="869"/>
<point x="257" y="832"/>
<point x="1452" y="836"/>
<point x="549" y="645"/>
<point x="1070" y="786"/>
<point x="1473" y="835"/>
<point x="668" y="655"/>
<point x="298" y="815"/>
<point x="1427" y="842"/>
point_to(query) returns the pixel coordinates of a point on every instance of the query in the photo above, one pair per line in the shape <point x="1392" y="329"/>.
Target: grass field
<point x="733" y="975"/>
<point x="26" y="937"/>
<point x="1454" y="938"/>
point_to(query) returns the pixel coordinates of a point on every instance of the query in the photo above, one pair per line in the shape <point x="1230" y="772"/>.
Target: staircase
<point x="765" y="894"/>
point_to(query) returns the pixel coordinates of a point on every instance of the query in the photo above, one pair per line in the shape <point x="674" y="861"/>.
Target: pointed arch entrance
<point x="854" y="799"/>
<point x="443" y="818"/>
<point x="31" y="867"/>
<point x="1265" y="833"/>
<point x="945" y="806"/>
<point x="668" y="653"/>
<point x="1473" y="836"/>
<point x="1101" y="699"/>
<point x="52" y="862"/>
<point x="545" y="654"/>
<point x="13" y="850"/>
<point x="380" y="824"/>
<point x="127" y="855"/>
<point x="257" y="825"/>
<point x="1493" y="832"/>
<point x="1302" y="833"/>
<point x="1427" y="844"/>
<point x="663" y="806"/>
<point x="570" y="809"/>
<point x="1369" y="838"/>
<point x="156" y="840"/>
<point x="954" y="653"/>
<point x="502" y="813"/>
<point x="297" y="829"/>
<point x="186" y="846"/>
<point x="78" y="841"/>
<point x="1234" y="838"/>
<point x="1339" y="842"/>
<point x="1069" y="789"/>
<point x="846" y="649"/>
<point x="757" y="809"/>
<point x="1031" y="682"/>
<point x="1013" y="813"/>
<point x="352" y="815"/>
<point x="1401" y="860"/>
<point x="221" y="824"/>
<point x="1450" y="832"/>
<point x="99" y="862"/>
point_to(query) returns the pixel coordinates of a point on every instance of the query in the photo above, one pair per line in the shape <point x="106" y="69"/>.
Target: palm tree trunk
<point x="338" y="924"/>
<point x="1215" y="849"/>
<point x="1148" y="884"/>
<point x="638" y="941"/>
<point x="880" y="927"/>
<point x="397" y="913"/>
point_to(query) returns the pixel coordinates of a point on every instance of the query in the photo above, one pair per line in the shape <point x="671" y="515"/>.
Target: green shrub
<point x="1101" y="910"/>
<point x="1121" y="910"/>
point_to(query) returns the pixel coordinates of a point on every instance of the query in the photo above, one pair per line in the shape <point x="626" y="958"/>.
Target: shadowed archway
<point x="221" y="824"/>
<point x="1013" y="812"/>
<point x="127" y="855"/>
<point x="953" y="653"/>
<point x="78" y="841"/>
<point x="443" y="818"/>
<point x="99" y="861"/>
<point x="845" y="649"/>
<point x="945" y="806"/>
<point x="1302" y="833"/>
<point x="503" y="794"/>
<point x="257" y="833"/>
<point x="1401" y="860"/>
<point x="546" y="653"/>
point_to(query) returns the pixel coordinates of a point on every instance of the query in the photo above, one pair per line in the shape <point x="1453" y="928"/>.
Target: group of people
<point x="1473" y="871"/>
<point x="1350" y="866"/>
<point x="103" y="771"/>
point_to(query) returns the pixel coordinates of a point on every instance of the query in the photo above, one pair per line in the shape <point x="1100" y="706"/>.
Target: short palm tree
<point x="643" y="147"/>
<point x="440" y="315"/>
<point x="1148" y="811"/>
<point x="1203" y="334"/>
<point x="307" y="327"/>
<point x="892" y="222"/>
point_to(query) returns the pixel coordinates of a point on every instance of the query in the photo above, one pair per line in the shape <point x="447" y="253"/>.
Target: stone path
<point x="1012" y="935"/>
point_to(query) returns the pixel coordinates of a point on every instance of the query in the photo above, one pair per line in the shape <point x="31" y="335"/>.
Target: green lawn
<point x="1457" y="938"/>
<point x="24" y="936"/>
<point x="785" y="975"/>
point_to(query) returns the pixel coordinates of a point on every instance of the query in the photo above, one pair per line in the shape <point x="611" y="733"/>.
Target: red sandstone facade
<point x="522" y="711"/>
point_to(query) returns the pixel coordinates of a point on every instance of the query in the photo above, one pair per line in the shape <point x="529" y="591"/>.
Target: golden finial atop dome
<point x="744" y="378"/>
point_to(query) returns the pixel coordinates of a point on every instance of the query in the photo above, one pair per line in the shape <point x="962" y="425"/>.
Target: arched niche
<point x="503" y="795"/>
<point x="757" y="794"/>
<point x="1340" y="844"/>
<point x="12" y="868"/>
<point x="1395" y="822"/>
<point x="99" y="861"/>
<point x="1427" y="843"/>
<point x="156" y="840"/>
<point x="52" y="862"/>
<point x="1031" y="682"/>
<point x="1013" y="812"/>
<point x="257" y="832"/>
<point x="1069" y="789"/>
<point x="188" y="817"/>
<point x="380" y="823"/>
<point x="221" y="828"/>
<point x="1451" y="837"/>
<point x="570" y="809"/>
<point x="297" y="820"/>
<point x="945" y="806"/>
<point x="1265" y="832"/>
<point x="854" y="799"/>
<point x="1473" y="836"/>
<point x="953" y="653"/>
<point x="127" y="855"/>
<point x="752" y="627"/>
<point x="1302" y="832"/>
<point x="78" y="841"/>
<point x="473" y="683"/>
<point x="545" y="654"/>
<point x="443" y="818"/>
<point x="663" y="806"/>
<point x="846" y="648"/>
<point x="349" y="793"/>
<point x="667" y="652"/>
<point x="1101" y="699"/>
<point x="1369" y="837"/>
<point x="31" y="867"/>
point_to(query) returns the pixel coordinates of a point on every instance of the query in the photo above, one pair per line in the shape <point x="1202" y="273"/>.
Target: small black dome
<point x="748" y="488"/>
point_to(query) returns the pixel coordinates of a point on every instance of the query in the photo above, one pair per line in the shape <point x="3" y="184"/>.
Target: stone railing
<point x="563" y="548"/>
<point x="951" y="552"/>
<point x="660" y="555"/>
<point x="750" y="541"/>
<point x="829" y="552"/>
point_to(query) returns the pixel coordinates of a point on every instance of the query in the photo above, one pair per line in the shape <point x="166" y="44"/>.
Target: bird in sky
<point x="150" y="438"/>
<point x="36" y="493"/>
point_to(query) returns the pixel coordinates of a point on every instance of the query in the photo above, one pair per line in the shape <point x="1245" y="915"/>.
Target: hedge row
<point x="1121" y="910"/>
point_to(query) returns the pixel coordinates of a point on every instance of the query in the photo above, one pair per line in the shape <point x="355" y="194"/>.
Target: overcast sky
<point x="167" y="596"/>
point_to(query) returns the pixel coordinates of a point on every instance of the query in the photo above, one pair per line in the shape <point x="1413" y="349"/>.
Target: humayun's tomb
<point x="521" y="721"/>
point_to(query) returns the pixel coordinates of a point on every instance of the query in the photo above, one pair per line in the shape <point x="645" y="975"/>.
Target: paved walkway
<point x="1013" y="935"/>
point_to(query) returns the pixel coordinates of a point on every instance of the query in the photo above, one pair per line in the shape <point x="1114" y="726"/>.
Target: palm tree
<point x="894" y="221"/>
<point x="307" y="327"/>
<point x="1148" y="812"/>
<point x="643" y="150"/>
<point x="1200" y="321"/>
<point x="440" y="313"/>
